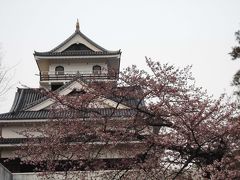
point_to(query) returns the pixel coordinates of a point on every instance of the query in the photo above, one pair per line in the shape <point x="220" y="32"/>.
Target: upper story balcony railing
<point x="69" y="75"/>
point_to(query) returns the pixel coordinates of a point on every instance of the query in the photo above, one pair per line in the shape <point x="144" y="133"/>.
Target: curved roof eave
<point x="76" y="53"/>
<point x="84" y="37"/>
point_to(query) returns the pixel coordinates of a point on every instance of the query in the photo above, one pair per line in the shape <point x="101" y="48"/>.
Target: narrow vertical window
<point x="59" y="70"/>
<point x="97" y="69"/>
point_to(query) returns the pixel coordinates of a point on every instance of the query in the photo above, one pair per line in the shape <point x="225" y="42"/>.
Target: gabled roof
<point x="32" y="103"/>
<point x="76" y="83"/>
<point x="83" y="46"/>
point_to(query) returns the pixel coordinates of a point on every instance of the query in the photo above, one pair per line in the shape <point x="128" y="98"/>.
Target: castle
<point x="63" y="70"/>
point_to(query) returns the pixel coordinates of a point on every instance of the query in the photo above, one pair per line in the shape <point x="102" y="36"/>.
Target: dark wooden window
<point x="56" y="86"/>
<point x="97" y="69"/>
<point x="77" y="47"/>
<point x="59" y="70"/>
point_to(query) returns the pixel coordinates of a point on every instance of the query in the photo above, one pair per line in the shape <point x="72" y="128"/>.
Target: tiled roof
<point x="82" y="35"/>
<point x="12" y="140"/>
<point x="77" y="53"/>
<point x="46" y="114"/>
<point x="37" y="101"/>
<point x="24" y="97"/>
<point x="27" y="98"/>
<point x="127" y="97"/>
<point x="25" y="115"/>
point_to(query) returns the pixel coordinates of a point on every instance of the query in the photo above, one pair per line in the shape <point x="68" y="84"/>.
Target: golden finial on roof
<point x="77" y="26"/>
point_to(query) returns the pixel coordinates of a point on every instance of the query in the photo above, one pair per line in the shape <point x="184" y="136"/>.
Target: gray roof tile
<point x="24" y="97"/>
<point x="46" y="114"/>
<point x="76" y="53"/>
<point x="53" y="53"/>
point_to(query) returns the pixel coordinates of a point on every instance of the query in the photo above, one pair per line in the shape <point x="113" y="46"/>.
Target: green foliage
<point x="236" y="49"/>
<point x="235" y="53"/>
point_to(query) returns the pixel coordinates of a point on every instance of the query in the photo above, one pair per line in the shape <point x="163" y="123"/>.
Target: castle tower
<point x="71" y="65"/>
<point x="76" y="56"/>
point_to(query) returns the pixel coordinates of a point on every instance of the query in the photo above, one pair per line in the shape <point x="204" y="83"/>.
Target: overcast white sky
<point x="180" y="32"/>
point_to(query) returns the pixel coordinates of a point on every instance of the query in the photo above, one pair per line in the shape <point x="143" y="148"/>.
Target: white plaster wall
<point x="7" y="153"/>
<point x="12" y="132"/>
<point x="72" y="175"/>
<point x="119" y="151"/>
<point x="75" y="66"/>
<point x="15" y="132"/>
<point x="86" y="175"/>
<point x="25" y="176"/>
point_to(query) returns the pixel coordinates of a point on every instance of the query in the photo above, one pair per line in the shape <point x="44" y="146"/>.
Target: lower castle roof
<point x="26" y="97"/>
<point x="47" y="114"/>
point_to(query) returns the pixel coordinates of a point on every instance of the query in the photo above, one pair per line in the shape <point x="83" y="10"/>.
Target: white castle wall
<point x="78" y="66"/>
<point x="15" y="132"/>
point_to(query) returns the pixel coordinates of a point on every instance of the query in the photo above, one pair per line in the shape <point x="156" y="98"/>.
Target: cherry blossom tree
<point x="160" y="126"/>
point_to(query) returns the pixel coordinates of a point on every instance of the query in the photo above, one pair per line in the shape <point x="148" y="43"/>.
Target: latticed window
<point x="59" y="70"/>
<point x="96" y="69"/>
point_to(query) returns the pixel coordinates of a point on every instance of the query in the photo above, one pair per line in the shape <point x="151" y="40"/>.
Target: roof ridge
<point x="69" y="38"/>
<point x="16" y="99"/>
<point x="57" y="90"/>
<point x="64" y="42"/>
